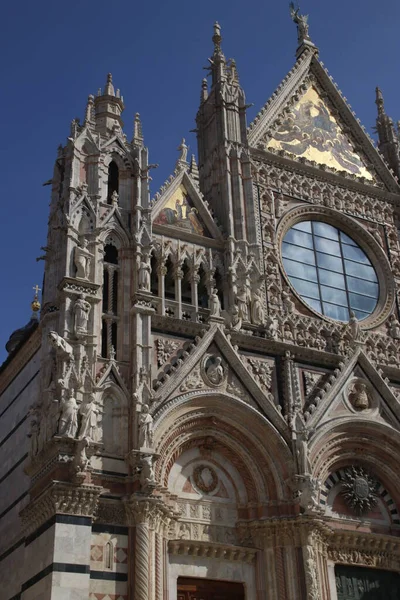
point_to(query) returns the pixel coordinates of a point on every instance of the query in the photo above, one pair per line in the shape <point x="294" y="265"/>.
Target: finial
<point x="217" y="38"/>
<point x="137" y="131"/>
<point x="89" y="110"/>
<point x="181" y="163"/>
<point x="109" y="88"/>
<point x="301" y="22"/>
<point x="35" y="304"/>
<point x="379" y="101"/>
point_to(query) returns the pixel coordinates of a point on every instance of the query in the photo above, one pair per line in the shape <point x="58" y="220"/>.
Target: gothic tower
<point x="208" y="405"/>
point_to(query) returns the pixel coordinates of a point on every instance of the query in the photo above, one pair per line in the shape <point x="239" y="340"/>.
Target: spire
<point x="388" y="142"/>
<point x="109" y="88"/>
<point x="303" y="36"/>
<point x="137" y="131"/>
<point x="380" y="102"/>
<point x="217" y="61"/>
<point x="89" y="110"/>
<point x="182" y="162"/>
<point x="217" y="39"/>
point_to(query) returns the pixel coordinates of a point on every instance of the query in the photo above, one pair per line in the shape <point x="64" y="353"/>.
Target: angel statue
<point x="301" y="22"/>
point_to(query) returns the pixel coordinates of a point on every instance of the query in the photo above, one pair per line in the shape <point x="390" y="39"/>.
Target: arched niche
<point x="114" y="422"/>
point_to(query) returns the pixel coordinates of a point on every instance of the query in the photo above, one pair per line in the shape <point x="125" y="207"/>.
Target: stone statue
<point x="301" y="22"/>
<point x="81" y="461"/>
<point x="301" y="441"/>
<point x="236" y="320"/>
<point x="242" y="304"/>
<point x="354" y="326"/>
<point x="359" y="396"/>
<point x="114" y="197"/>
<point x="147" y="477"/>
<point x="53" y="417"/>
<point x="82" y="259"/>
<point x="88" y="413"/>
<point x="308" y="488"/>
<point x="82" y="310"/>
<point x="394" y="327"/>
<point x="62" y="347"/>
<point x="34" y="436"/>
<point x="68" y="425"/>
<point x="145" y="428"/>
<point x="257" y="309"/>
<point x="272" y="327"/>
<point x="183" y="148"/>
<point x="215" y="304"/>
<point x="215" y="371"/>
<point x="144" y="276"/>
<point x="287" y="302"/>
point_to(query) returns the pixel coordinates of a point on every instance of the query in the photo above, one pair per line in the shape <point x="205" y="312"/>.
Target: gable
<point x="307" y="119"/>
<point x="179" y="213"/>
<point x="310" y="130"/>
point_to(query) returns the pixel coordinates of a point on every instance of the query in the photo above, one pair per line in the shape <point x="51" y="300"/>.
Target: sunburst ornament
<point x="360" y="490"/>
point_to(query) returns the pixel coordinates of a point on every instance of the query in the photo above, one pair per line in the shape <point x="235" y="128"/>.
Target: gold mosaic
<point x="312" y="132"/>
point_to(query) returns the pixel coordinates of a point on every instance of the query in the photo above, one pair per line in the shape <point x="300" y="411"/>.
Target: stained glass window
<point x="329" y="270"/>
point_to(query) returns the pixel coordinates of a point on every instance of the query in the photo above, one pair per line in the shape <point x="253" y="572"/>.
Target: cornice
<point x="319" y="173"/>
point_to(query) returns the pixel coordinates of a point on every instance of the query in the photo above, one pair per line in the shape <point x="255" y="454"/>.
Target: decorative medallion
<point x="205" y="478"/>
<point x="358" y="396"/>
<point x="360" y="490"/>
<point x="213" y="371"/>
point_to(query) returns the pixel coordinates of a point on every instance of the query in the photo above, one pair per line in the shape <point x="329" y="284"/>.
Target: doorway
<point x="207" y="589"/>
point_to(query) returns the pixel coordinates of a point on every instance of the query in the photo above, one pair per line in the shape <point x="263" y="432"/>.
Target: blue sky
<point x="55" y="54"/>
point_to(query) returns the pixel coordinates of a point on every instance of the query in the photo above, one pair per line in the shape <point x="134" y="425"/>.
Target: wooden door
<point x="207" y="589"/>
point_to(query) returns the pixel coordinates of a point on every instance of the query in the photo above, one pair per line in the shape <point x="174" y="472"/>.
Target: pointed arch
<point x="222" y="423"/>
<point x="115" y="419"/>
<point x="112" y="181"/>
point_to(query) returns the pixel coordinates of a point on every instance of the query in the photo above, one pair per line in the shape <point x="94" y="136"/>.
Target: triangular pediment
<point x="180" y="211"/>
<point x="358" y="391"/>
<point x="214" y="367"/>
<point x="308" y="120"/>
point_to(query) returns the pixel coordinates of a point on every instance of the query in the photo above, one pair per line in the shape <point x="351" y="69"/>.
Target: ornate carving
<point x="205" y="478"/>
<point x="111" y="513"/>
<point x="214" y="373"/>
<point x="60" y="498"/>
<point x="165" y="349"/>
<point x="359" y="490"/>
<point x="358" y="396"/>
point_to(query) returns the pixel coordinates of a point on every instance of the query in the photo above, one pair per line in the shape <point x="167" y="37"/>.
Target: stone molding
<point x="60" y="498"/>
<point x="111" y="513"/>
<point x="369" y="550"/>
<point x="211" y="550"/>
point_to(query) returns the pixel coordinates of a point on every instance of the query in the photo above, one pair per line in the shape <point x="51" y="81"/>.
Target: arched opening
<point x="154" y="274"/>
<point x="219" y="286"/>
<point x="110" y="301"/>
<point x="186" y="285"/>
<point x="202" y="290"/>
<point x="115" y="431"/>
<point x="169" y="280"/>
<point x="113" y="180"/>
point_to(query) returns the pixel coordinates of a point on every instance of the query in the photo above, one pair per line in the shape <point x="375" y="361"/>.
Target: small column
<point x="161" y="287"/>
<point x="178" y="290"/>
<point x="151" y="517"/>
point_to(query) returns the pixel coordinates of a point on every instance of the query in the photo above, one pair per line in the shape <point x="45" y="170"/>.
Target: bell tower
<point x="224" y="160"/>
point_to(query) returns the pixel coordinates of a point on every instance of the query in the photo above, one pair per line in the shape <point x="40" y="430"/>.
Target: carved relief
<point x="205" y="478"/>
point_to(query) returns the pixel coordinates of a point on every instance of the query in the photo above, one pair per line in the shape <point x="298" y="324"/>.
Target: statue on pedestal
<point x="82" y="260"/>
<point x="88" y="413"/>
<point x="82" y="310"/>
<point x="68" y="424"/>
<point x="145" y="428"/>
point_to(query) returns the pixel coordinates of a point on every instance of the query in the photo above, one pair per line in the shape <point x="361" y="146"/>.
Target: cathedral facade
<point x="209" y="404"/>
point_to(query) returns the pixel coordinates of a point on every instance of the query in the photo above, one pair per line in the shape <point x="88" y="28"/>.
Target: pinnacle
<point x="109" y="88"/>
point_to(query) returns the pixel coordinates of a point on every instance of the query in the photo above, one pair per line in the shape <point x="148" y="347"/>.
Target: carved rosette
<point x="359" y="490"/>
<point x="205" y="479"/>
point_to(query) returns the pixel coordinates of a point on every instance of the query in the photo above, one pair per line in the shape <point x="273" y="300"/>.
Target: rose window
<point x="329" y="271"/>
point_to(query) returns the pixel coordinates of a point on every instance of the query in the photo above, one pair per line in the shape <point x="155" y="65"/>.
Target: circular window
<point x="330" y="271"/>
